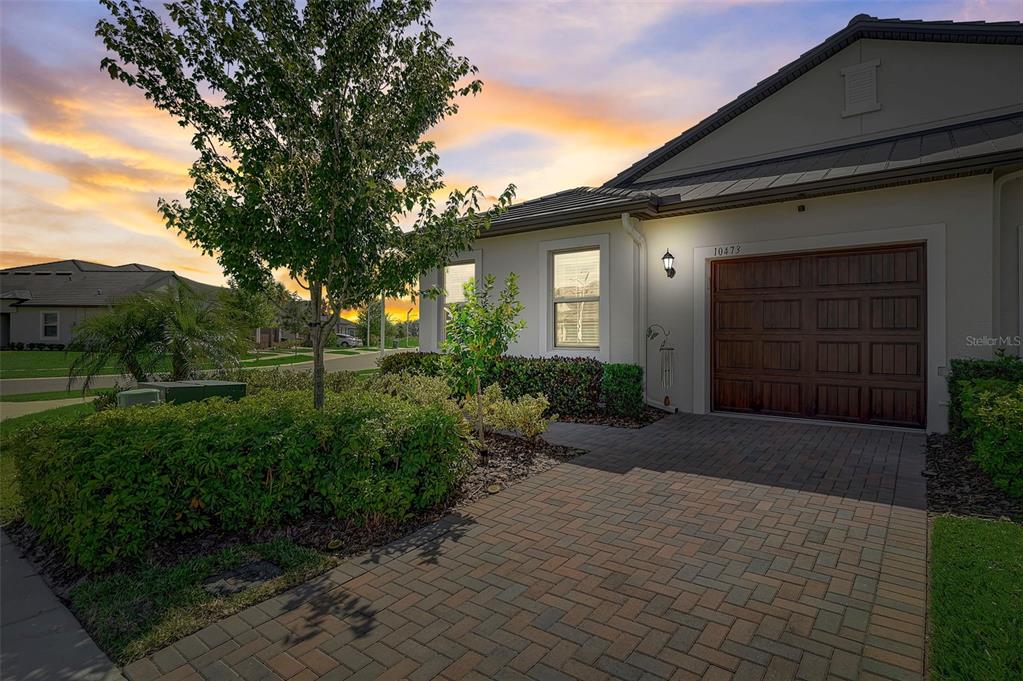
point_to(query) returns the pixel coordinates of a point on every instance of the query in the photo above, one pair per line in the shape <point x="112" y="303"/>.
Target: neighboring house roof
<point x="861" y="26"/>
<point x="951" y="151"/>
<point x="77" y="283"/>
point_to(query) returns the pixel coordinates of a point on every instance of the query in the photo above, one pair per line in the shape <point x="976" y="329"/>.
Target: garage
<point x="833" y="335"/>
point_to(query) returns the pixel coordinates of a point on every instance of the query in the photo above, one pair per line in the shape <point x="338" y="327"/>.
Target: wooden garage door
<point x="836" y="335"/>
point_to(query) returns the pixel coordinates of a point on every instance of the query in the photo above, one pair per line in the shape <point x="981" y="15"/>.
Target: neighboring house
<point x="839" y="232"/>
<point x="43" y="303"/>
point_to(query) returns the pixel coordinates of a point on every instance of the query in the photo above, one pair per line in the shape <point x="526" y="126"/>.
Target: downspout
<point x="997" y="236"/>
<point x="640" y="285"/>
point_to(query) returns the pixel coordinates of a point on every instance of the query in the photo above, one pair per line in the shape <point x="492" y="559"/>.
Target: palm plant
<point x="146" y="331"/>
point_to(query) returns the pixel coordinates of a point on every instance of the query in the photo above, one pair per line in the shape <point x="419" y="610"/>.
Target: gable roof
<point x="79" y="283"/>
<point x="861" y="26"/>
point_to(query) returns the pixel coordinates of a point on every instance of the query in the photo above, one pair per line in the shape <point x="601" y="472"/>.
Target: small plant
<point x="992" y="413"/>
<point x="478" y="333"/>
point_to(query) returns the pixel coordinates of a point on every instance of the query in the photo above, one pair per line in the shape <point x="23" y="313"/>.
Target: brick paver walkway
<point x="698" y="547"/>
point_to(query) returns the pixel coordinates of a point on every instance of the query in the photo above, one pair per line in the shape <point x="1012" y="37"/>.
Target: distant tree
<point x="146" y="331"/>
<point x="253" y="308"/>
<point x="478" y="332"/>
<point x="369" y="316"/>
<point x="310" y="123"/>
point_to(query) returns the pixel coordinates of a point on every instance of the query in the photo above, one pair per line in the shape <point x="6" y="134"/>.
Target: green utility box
<point x="178" y="392"/>
<point x="129" y="398"/>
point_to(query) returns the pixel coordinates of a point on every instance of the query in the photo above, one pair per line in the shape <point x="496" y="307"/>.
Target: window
<point x="576" y="298"/>
<point x="455" y="277"/>
<point x="51" y="321"/>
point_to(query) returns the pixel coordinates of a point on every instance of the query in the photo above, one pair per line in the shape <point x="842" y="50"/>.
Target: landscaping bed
<point x="956" y="484"/>
<point x="645" y="418"/>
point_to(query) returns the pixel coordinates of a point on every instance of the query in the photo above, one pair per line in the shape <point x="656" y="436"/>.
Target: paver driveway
<point x="698" y="547"/>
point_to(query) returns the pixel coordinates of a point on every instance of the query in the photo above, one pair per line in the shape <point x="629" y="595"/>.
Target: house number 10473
<point x="733" y="249"/>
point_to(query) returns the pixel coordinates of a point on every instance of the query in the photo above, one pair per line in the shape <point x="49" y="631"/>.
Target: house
<point x="42" y="303"/>
<point x="817" y="248"/>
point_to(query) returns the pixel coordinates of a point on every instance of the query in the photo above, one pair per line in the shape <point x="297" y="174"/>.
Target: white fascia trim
<point x="545" y="326"/>
<point x="933" y="235"/>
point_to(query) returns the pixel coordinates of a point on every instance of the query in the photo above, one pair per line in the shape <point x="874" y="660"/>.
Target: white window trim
<point x="931" y="234"/>
<point x="475" y="257"/>
<point x="43" y="325"/>
<point x="546" y="299"/>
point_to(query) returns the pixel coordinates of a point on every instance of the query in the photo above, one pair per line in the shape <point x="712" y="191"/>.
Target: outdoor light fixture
<point x="669" y="264"/>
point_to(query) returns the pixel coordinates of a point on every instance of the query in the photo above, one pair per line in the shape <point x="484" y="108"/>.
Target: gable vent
<point x="861" y="88"/>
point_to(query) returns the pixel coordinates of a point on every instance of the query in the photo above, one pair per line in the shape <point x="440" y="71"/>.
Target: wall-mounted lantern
<point x="669" y="264"/>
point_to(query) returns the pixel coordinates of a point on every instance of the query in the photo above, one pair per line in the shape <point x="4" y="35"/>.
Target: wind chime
<point x="667" y="357"/>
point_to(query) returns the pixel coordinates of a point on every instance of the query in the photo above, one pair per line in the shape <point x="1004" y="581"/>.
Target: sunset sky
<point x="574" y="92"/>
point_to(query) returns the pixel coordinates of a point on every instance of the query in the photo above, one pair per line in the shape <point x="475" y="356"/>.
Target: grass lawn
<point x="49" y="395"/>
<point x="343" y="351"/>
<point x="10" y="490"/>
<point x="132" y="613"/>
<point x="277" y="361"/>
<point x="976" y="600"/>
<point x="36" y="363"/>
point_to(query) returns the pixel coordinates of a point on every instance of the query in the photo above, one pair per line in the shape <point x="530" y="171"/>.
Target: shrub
<point x="425" y="363"/>
<point x="105" y="399"/>
<point x="276" y="379"/>
<point x="622" y="385"/>
<point x="571" y="385"/>
<point x="992" y="414"/>
<point x="524" y="415"/>
<point x="108" y="486"/>
<point x="1006" y="368"/>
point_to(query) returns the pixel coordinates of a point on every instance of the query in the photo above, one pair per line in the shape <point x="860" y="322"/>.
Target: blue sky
<point x="574" y="92"/>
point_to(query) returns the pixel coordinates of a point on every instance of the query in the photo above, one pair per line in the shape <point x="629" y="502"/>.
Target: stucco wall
<point x="960" y="210"/>
<point x="1008" y="253"/>
<point x="27" y="325"/>
<point x="918" y="85"/>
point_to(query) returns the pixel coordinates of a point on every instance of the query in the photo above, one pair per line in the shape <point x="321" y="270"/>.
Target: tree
<point x="253" y="309"/>
<point x="145" y="331"/>
<point x="310" y="125"/>
<point x="478" y="333"/>
<point x="367" y="317"/>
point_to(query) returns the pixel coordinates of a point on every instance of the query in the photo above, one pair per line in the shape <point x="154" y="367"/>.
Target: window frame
<point x="555" y="300"/>
<point x="547" y="330"/>
<point x="55" y="324"/>
<point x="464" y="258"/>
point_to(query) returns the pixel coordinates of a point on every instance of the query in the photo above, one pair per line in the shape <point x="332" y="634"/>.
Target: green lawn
<point x="277" y="361"/>
<point x="343" y="351"/>
<point x="976" y="600"/>
<point x="133" y="613"/>
<point x="10" y="491"/>
<point x="49" y="395"/>
<point x="36" y="363"/>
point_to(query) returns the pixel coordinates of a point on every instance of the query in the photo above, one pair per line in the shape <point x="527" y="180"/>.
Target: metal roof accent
<point x="937" y="153"/>
<point x="861" y="26"/>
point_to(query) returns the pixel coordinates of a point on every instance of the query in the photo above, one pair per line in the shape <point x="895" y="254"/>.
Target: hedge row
<point x="33" y="346"/>
<point x="572" y="386"/>
<point x="108" y="486"/>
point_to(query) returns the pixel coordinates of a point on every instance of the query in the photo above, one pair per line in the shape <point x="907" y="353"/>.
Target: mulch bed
<point x="649" y="415"/>
<point x="509" y="459"/>
<point x="957" y="485"/>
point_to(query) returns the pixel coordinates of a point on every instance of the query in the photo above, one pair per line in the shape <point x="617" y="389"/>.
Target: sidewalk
<point x="40" y="639"/>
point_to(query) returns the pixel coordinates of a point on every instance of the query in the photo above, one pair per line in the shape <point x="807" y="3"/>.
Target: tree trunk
<point x="316" y="339"/>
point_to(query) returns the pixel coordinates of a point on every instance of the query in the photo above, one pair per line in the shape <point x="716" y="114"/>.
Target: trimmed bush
<point x="571" y="385"/>
<point x="108" y="486"/>
<point x="992" y="415"/>
<point x="623" y="389"/>
<point x="425" y="363"/>
<point x="1006" y="368"/>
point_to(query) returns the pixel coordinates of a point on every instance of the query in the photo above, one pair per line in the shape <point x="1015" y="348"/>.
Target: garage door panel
<point x="840" y="402"/>
<point x="781" y="355"/>
<point x="838" y="313"/>
<point x="896" y="406"/>
<point x="735" y="354"/>
<point x="781" y="397"/>
<point x="896" y="359"/>
<point x="833" y="335"/>
<point x="838" y="357"/>
<point x="734" y="314"/>
<point x="734" y="395"/>
<point x="895" y="313"/>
